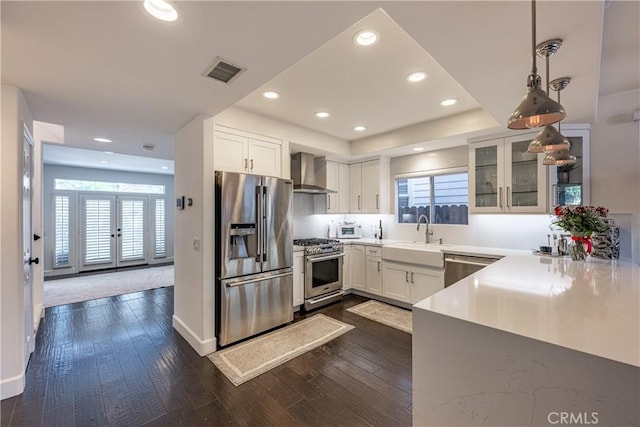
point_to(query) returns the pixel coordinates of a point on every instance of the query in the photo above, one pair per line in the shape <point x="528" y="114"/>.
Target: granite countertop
<point x="592" y="306"/>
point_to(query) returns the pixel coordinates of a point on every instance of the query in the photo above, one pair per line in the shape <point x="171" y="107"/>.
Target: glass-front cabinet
<point x="569" y="185"/>
<point x="504" y="177"/>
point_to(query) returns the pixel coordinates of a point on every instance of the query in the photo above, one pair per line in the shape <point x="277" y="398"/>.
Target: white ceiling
<point x="94" y="159"/>
<point x="362" y="85"/>
<point x="106" y="69"/>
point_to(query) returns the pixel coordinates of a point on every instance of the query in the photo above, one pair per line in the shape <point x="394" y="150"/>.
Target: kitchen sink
<point x="425" y="254"/>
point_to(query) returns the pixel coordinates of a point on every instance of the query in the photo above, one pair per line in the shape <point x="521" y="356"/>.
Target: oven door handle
<point x="324" y="258"/>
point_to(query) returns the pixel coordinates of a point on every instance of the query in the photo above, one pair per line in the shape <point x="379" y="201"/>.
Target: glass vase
<point x="577" y="248"/>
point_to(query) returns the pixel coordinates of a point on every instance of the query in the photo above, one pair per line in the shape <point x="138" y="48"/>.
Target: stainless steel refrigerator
<point x="254" y="254"/>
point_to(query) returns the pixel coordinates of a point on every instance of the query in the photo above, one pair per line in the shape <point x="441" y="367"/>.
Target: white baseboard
<point x="201" y="347"/>
<point x="13" y="386"/>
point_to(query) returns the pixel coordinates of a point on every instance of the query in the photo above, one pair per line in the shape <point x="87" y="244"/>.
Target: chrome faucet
<point x="427" y="233"/>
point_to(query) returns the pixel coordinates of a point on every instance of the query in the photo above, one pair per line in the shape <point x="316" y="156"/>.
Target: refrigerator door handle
<point x="259" y="223"/>
<point x="232" y="283"/>
<point x="265" y="229"/>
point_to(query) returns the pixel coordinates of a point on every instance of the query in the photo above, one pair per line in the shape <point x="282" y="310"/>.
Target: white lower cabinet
<point x="298" y="278"/>
<point x="357" y="267"/>
<point x="425" y="282"/>
<point x="346" y="268"/>
<point x="373" y="275"/>
<point x="409" y="283"/>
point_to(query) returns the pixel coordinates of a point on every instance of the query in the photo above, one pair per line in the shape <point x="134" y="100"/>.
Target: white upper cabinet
<point x="333" y="176"/>
<point x="369" y="186"/>
<point x="343" y="187"/>
<point x="504" y="177"/>
<point x="231" y="152"/>
<point x="355" y="188"/>
<point x="239" y="151"/>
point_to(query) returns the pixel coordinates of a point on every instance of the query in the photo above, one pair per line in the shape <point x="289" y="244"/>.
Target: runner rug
<point x="386" y="314"/>
<point x="247" y="360"/>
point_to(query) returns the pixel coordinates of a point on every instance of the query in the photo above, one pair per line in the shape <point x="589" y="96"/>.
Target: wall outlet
<point x="196" y="244"/>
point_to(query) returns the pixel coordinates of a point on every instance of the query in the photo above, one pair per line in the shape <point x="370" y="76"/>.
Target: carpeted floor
<point x="83" y="288"/>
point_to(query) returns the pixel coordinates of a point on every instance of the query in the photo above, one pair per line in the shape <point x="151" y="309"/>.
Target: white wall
<point x="15" y="113"/>
<point x="615" y="159"/>
<point x="51" y="172"/>
<point x="194" y="304"/>
<point x="433" y="130"/>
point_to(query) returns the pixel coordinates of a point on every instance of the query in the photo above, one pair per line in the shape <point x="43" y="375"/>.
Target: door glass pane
<point x="97" y="215"/>
<point x="61" y="231"/>
<point x="132" y="225"/>
<point x="524" y="175"/>
<point x="486" y="176"/>
<point x="160" y="243"/>
<point x="570" y="177"/>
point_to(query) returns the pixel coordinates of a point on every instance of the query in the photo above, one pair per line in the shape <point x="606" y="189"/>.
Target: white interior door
<point x="132" y="230"/>
<point x="97" y="225"/>
<point x="29" y="342"/>
<point x="113" y="231"/>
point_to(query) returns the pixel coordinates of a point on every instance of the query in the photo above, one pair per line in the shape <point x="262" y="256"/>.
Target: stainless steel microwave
<point x="349" y="231"/>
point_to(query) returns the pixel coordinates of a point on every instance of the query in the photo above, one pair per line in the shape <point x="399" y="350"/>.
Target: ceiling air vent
<point x="148" y="147"/>
<point x="224" y="70"/>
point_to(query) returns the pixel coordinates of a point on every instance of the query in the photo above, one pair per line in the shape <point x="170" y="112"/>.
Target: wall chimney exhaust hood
<point x="303" y="175"/>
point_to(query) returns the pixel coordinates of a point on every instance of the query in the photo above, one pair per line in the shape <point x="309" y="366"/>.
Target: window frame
<point x="430" y="174"/>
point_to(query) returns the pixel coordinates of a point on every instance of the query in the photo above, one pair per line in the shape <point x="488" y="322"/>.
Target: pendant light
<point x="536" y="108"/>
<point x="549" y="139"/>
<point x="560" y="157"/>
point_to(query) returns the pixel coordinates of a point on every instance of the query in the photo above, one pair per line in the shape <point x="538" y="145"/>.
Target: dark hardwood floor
<point x="118" y="361"/>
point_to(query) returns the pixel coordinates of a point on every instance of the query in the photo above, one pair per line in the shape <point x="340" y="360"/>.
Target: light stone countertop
<point x="591" y="306"/>
<point x="370" y="242"/>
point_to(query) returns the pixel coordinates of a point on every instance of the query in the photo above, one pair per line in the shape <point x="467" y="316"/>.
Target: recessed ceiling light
<point x="418" y="149"/>
<point x="271" y="94"/>
<point x="322" y="114"/>
<point x="101" y="139"/>
<point x="164" y="167"/>
<point x="104" y="162"/>
<point x="162" y="10"/>
<point x="359" y="128"/>
<point x="449" y="101"/>
<point x="366" y="38"/>
<point x="418" y="76"/>
<point x="108" y="152"/>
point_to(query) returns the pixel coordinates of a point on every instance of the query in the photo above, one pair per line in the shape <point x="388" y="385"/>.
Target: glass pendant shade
<point x="558" y="158"/>
<point x="549" y="139"/>
<point x="535" y="110"/>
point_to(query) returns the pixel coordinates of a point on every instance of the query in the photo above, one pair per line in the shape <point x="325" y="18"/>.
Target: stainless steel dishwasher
<point x="457" y="267"/>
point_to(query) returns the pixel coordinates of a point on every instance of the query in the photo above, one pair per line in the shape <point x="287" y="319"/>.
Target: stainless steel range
<point x="323" y="268"/>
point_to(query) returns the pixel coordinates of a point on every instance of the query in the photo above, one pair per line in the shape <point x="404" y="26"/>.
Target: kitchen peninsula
<point x="530" y="341"/>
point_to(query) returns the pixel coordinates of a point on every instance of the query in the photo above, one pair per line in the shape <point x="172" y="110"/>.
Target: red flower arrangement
<point x="581" y="219"/>
<point x="581" y="222"/>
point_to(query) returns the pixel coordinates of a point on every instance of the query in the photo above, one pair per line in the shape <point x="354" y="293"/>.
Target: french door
<point x="113" y="231"/>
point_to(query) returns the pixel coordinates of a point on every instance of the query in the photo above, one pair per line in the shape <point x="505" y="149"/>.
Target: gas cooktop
<point x="314" y="242"/>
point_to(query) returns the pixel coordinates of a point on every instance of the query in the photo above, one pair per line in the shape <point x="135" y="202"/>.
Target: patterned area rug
<point x="94" y="286"/>
<point x="249" y="359"/>
<point x="386" y="314"/>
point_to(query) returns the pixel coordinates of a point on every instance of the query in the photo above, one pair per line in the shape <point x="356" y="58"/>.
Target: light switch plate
<point x="196" y="244"/>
